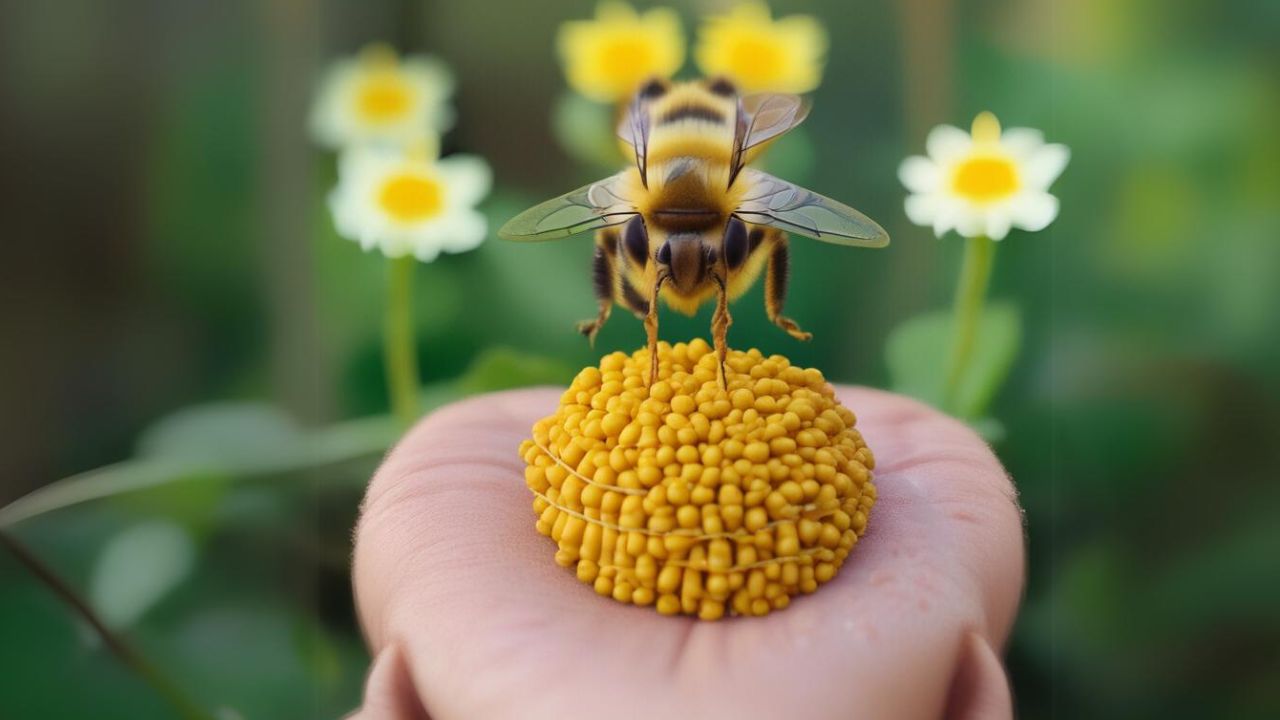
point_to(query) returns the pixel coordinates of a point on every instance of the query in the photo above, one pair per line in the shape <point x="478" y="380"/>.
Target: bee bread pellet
<point x="698" y="499"/>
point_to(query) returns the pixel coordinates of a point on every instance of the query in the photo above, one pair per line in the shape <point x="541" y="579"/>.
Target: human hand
<point x="468" y="616"/>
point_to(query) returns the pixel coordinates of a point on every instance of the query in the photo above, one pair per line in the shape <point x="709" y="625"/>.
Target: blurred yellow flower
<point x="983" y="182"/>
<point x="381" y="98"/>
<point x="607" y="58"/>
<point x="759" y="53"/>
<point x="409" y="203"/>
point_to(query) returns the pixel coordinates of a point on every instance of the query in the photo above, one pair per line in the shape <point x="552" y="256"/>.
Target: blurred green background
<point x="168" y="247"/>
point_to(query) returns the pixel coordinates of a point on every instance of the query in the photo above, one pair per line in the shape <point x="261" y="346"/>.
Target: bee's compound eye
<point x="636" y="240"/>
<point x="654" y="88"/>
<point x="722" y="87"/>
<point x="664" y="253"/>
<point x="735" y="243"/>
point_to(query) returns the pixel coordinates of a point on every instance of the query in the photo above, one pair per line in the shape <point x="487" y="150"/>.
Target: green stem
<point x="165" y="687"/>
<point x="975" y="274"/>
<point x="399" y="349"/>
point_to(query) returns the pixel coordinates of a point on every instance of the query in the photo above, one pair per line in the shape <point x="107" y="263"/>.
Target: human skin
<point x="468" y="616"/>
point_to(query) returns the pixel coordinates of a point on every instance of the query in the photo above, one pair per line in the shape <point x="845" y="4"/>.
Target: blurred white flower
<point x="410" y="203"/>
<point x="984" y="182"/>
<point x="378" y="97"/>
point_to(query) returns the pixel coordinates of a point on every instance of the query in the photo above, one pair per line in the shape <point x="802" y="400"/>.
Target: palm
<point x="469" y="617"/>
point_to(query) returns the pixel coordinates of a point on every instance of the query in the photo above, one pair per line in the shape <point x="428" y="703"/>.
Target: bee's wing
<point x="762" y="117"/>
<point x="778" y="203"/>
<point x="597" y="205"/>
<point x="634" y="130"/>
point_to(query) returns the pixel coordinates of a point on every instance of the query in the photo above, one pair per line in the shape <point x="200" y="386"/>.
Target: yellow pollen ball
<point x="411" y="197"/>
<point x="709" y="517"/>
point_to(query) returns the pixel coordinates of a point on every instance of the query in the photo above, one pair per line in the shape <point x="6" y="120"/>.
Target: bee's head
<point x="687" y="258"/>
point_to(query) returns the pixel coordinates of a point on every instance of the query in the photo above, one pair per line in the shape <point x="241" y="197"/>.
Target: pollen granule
<point x="697" y="499"/>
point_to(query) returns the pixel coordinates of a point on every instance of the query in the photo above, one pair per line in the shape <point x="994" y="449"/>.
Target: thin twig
<point x="127" y="654"/>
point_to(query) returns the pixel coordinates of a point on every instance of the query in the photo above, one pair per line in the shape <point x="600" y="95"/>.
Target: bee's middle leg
<point x="720" y="322"/>
<point x="603" y="282"/>
<point x="775" y="290"/>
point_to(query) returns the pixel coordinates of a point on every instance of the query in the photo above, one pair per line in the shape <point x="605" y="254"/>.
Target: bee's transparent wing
<point x="593" y="206"/>
<point x="634" y="130"/>
<point x="778" y="203"/>
<point x="762" y="117"/>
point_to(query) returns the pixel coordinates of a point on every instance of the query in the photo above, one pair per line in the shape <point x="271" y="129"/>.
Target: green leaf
<point x="586" y="130"/>
<point x="317" y="651"/>
<point x="137" y="568"/>
<point x="246" y="430"/>
<point x="192" y="501"/>
<point x="503" y="368"/>
<point x="165" y="464"/>
<point x="918" y="350"/>
<point x="989" y="428"/>
<point x="223" y="441"/>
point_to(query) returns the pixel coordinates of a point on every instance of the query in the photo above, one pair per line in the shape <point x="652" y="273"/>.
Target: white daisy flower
<point x="378" y="97"/>
<point x="406" y="204"/>
<point x="984" y="182"/>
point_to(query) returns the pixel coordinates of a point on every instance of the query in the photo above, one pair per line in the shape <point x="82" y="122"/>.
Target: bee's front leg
<point x="720" y="322"/>
<point x="775" y="289"/>
<point x="651" y="329"/>
<point x="604" y="284"/>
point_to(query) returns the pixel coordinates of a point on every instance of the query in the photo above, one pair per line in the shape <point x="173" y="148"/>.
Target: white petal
<point x="426" y="252"/>
<point x="441" y="117"/>
<point x="430" y="74"/>
<point x="361" y="165"/>
<point x="920" y="174"/>
<point x="947" y="142"/>
<point x="370" y="239"/>
<point x="971" y="221"/>
<point x="464" y="230"/>
<point x="1045" y="165"/>
<point x="1033" y="210"/>
<point x="998" y="221"/>
<point x="922" y="209"/>
<point x="1021" y="142"/>
<point x="947" y="215"/>
<point x="413" y="240"/>
<point x="342" y="205"/>
<point x="433" y="82"/>
<point x="467" y="177"/>
<point x="329" y="119"/>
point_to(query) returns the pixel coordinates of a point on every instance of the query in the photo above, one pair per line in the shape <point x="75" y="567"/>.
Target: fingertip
<point x="440" y="472"/>
<point x="389" y="693"/>
<point x="948" y="481"/>
<point x="980" y="685"/>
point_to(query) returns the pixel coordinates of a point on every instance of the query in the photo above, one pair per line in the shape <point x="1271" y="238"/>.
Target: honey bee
<point x="689" y="220"/>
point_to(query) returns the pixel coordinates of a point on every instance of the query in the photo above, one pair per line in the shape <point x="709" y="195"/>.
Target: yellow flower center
<point x="627" y="61"/>
<point x="985" y="178"/>
<point x="383" y="97"/>
<point x="411" y="197"/>
<point x="754" y="60"/>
